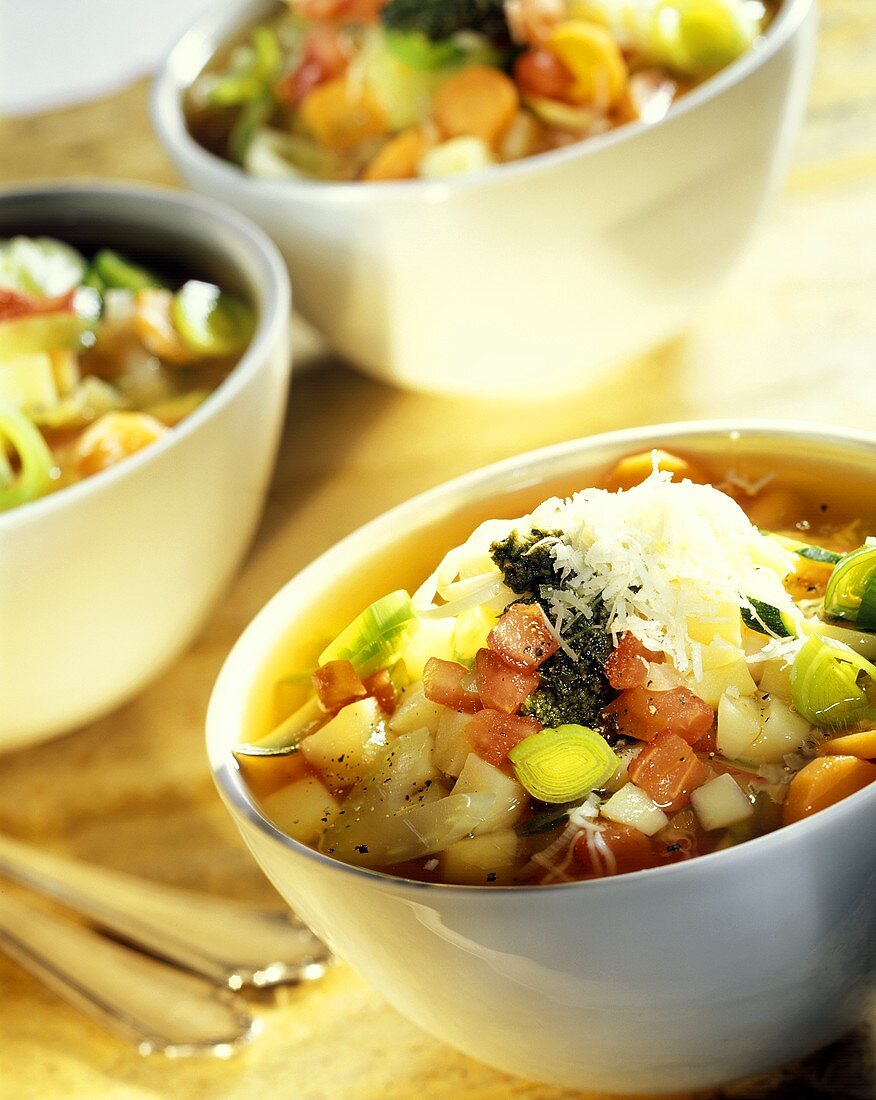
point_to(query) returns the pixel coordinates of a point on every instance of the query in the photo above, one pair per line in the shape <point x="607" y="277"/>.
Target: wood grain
<point x="793" y="334"/>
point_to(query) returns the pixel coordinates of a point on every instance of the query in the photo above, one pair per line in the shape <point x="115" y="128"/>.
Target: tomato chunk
<point x="323" y="57"/>
<point x="643" y="714"/>
<point x="627" y="850"/>
<point x="523" y="637"/>
<point x="668" y="770"/>
<point x="540" y="73"/>
<point x="446" y="682"/>
<point x="492" y="734"/>
<point x="502" y="686"/>
<point x="380" y="685"/>
<point x="626" y="667"/>
<point x="337" y="683"/>
<point x="16" y="303"/>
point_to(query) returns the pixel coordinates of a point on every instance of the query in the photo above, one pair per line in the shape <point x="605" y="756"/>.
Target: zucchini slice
<point x="766" y="619"/>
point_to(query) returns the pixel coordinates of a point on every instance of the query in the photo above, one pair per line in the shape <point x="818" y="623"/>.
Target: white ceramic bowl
<point x="104" y="582"/>
<point x="531" y="276"/>
<point x="675" y="978"/>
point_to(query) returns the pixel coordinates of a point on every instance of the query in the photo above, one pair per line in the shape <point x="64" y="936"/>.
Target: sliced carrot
<point x="861" y="744"/>
<point x="824" y="781"/>
<point x="633" y="469"/>
<point x="340" y="117"/>
<point x="398" y="159"/>
<point x="477" y="102"/>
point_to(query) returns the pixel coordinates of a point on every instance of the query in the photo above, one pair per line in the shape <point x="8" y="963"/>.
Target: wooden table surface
<point x="792" y="335"/>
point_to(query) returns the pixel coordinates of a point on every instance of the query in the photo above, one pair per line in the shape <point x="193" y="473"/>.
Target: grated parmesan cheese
<point x="662" y="556"/>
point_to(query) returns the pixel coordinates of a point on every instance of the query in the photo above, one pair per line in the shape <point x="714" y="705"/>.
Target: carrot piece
<point x="478" y="102"/>
<point x="266" y="774"/>
<point x="668" y="770"/>
<point x="341" y="118"/>
<point x="398" y="159"/>
<point x="861" y="744"/>
<point x="824" y="781"/>
<point x="633" y="469"/>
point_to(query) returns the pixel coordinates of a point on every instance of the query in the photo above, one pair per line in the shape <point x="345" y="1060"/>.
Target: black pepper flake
<point x="491" y="877"/>
<point x="676" y="847"/>
<point x="362" y="848"/>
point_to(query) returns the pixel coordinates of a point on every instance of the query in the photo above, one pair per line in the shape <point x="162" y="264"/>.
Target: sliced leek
<point x="209" y="321"/>
<point x="375" y="638"/>
<point x="33" y="477"/>
<point x="831" y="684"/>
<point x="110" y="269"/>
<point x="851" y="590"/>
<point x="563" y="764"/>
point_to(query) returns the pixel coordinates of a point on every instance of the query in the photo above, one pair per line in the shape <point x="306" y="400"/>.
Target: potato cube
<point x="720" y="803"/>
<point x="343" y="750"/>
<point x="739" y="725"/>
<point x="479" y="777"/>
<point x="479" y="860"/>
<point x="301" y="810"/>
<point x="631" y="806"/>
<point x="713" y="682"/>
<point x="415" y="712"/>
<point x="782" y="731"/>
<point x="451" y="745"/>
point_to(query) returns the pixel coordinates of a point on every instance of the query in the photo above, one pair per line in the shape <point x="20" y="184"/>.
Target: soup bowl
<point x="103" y="582"/>
<point x="674" y="978"/>
<point x="573" y="259"/>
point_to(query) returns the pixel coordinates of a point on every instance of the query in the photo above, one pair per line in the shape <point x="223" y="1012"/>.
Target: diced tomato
<point x="540" y="73"/>
<point x="339" y="11"/>
<point x="492" y="734"/>
<point x="16" y="303"/>
<point x="323" y="57"/>
<point x="668" y="770"/>
<point x="626" y="667"/>
<point x="707" y="743"/>
<point x="337" y="683"/>
<point x="380" y="685"/>
<point x="522" y="636"/>
<point x="643" y="714"/>
<point x="629" y="850"/>
<point x="446" y="682"/>
<point x="502" y="686"/>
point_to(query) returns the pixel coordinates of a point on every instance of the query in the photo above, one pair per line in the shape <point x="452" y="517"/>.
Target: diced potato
<point x="343" y="750"/>
<point x="479" y="777"/>
<point x="267" y="773"/>
<point x="481" y="859"/>
<point x="65" y="366"/>
<point x="430" y="638"/>
<point x="400" y="776"/>
<point x="775" y="678"/>
<point x="451" y="745"/>
<point x="725" y="624"/>
<point x="28" y="381"/>
<point x="739" y="725"/>
<point x="712" y="684"/>
<point x="782" y="731"/>
<point x="302" y="810"/>
<point x="415" y="712"/>
<point x="631" y="806"/>
<point x="375" y="840"/>
<point x="459" y="156"/>
<point x="720" y="803"/>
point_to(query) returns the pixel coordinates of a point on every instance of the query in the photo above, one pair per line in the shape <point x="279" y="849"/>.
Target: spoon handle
<point x="227" y="941"/>
<point x="150" y="1003"/>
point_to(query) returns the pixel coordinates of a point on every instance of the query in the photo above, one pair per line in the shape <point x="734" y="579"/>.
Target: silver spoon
<point x="226" y="941"/>
<point x="156" y="1006"/>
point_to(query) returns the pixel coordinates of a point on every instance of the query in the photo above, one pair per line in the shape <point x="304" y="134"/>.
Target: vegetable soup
<point x="671" y="662"/>
<point x="99" y="358"/>
<point x="374" y="90"/>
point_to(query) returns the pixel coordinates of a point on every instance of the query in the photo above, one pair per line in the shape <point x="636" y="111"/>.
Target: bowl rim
<point x="271" y="280"/>
<point x="176" y="76"/>
<point x="464" y="489"/>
